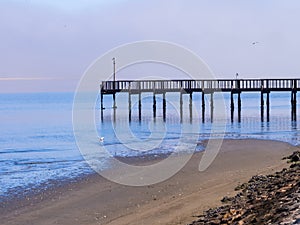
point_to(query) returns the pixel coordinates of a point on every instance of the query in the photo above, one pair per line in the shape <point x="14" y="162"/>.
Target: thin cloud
<point x="28" y="78"/>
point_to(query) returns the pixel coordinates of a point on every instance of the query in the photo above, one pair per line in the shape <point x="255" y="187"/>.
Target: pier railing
<point x="200" y="85"/>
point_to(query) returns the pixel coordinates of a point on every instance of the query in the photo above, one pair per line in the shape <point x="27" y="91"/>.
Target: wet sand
<point x="94" y="200"/>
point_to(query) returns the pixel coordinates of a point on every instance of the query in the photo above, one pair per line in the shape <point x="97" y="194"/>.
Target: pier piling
<point x="181" y="106"/>
<point x="294" y="105"/>
<point x="232" y="106"/>
<point x="129" y="106"/>
<point x="164" y="106"/>
<point x="191" y="107"/>
<point x="268" y="106"/>
<point x="239" y="107"/>
<point x="154" y="105"/>
<point x="140" y="106"/>
<point x="203" y="107"/>
<point x="262" y="106"/>
<point x="114" y="101"/>
<point x="212" y="107"/>
<point x="234" y="86"/>
<point x="101" y="106"/>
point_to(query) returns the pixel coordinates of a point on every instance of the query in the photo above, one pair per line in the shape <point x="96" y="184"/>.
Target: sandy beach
<point x="94" y="200"/>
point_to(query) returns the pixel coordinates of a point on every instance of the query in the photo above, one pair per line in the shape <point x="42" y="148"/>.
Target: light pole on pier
<point x="236" y="76"/>
<point x="114" y="83"/>
<point x="114" y="68"/>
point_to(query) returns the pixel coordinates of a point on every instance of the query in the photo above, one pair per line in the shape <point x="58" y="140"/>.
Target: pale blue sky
<point x="47" y="45"/>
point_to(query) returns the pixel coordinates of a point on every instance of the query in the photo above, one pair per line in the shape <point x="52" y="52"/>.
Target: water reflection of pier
<point x="206" y="87"/>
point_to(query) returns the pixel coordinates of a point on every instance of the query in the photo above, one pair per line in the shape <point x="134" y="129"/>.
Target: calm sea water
<point x="38" y="145"/>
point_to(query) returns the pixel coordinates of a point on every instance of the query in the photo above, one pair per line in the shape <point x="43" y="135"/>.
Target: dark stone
<point x="295" y="158"/>
<point x="263" y="200"/>
<point x="226" y="199"/>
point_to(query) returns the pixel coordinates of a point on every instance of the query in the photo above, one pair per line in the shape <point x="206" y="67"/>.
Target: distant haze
<point x="47" y="45"/>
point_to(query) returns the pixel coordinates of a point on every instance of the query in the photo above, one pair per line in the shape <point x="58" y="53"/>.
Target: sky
<point x="47" y="45"/>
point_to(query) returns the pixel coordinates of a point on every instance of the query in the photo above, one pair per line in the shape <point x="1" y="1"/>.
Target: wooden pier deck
<point x="234" y="86"/>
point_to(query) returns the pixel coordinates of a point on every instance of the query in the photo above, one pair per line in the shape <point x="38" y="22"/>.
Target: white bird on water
<point x="101" y="139"/>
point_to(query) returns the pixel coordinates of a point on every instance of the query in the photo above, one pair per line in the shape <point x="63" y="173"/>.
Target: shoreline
<point x="94" y="200"/>
<point x="51" y="186"/>
<point x="48" y="187"/>
<point x="148" y="159"/>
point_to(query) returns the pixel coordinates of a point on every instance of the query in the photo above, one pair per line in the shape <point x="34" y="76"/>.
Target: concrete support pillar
<point x="181" y="107"/>
<point x="203" y="107"/>
<point x="212" y="106"/>
<point x="164" y="106"/>
<point x="239" y="107"/>
<point x="129" y="106"/>
<point x="140" y="106"/>
<point x="154" y="105"/>
<point x="191" y="107"/>
<point x="262" y="106"/>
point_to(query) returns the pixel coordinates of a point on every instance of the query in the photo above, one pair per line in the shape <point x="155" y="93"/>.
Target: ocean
<point x="38" y="145"/>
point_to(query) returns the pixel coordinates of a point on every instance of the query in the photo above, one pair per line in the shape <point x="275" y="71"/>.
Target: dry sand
<point x="95" y="200"/>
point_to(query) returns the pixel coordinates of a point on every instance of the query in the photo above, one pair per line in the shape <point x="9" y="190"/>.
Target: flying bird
<point x="254" y="43"/>
<point x="101" y="139"/>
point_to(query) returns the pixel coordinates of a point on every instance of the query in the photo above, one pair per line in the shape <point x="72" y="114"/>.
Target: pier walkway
<point x="234" y="86"/>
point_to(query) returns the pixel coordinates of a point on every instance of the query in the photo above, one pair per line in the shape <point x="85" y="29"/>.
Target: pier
<point x="204" y="87"/>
